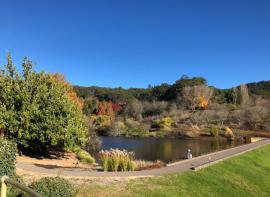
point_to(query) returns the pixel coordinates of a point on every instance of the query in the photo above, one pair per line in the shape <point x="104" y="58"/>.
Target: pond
<point x="166" y="149"/>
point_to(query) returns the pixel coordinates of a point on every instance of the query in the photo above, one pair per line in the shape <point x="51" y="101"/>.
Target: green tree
<point x="176" y="89"/>
<point x="36" y="110"/>
<point x="90" y="106"/>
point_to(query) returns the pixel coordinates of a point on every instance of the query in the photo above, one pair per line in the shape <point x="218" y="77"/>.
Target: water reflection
<point x="166" y="150"/>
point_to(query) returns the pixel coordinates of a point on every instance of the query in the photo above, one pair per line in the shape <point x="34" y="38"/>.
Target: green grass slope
<point x="245" y="175"/>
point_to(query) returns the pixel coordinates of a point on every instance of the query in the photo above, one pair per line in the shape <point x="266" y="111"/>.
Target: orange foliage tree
<point x="72" y="96"/>
<point x="105" y="108"/>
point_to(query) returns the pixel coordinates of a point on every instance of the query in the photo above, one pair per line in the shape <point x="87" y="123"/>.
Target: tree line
<point x="188" y="103"/>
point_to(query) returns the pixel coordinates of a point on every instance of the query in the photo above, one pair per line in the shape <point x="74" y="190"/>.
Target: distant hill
<point x="161" y="92"/>
<point x="260" y="88"/>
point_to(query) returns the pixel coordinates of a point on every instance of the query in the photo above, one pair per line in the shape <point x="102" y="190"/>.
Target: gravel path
<point x="181" y="166"/>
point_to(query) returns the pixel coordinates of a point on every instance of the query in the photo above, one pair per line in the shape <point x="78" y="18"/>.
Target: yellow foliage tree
<point x="202" y="102"/>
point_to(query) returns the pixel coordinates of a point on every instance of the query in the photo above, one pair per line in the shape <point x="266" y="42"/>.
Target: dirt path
<point x="182" y="166"/>
<point x="67" y="160"/>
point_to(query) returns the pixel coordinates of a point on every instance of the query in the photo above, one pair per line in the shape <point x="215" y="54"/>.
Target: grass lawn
<point x="245" y="175"/>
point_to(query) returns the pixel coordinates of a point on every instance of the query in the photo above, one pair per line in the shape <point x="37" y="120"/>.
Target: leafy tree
<point x="105" y="108"/>
<point x="90" y="106"/>
<point x="177" y="88"/>
<point x="159" y="92"/>
<point x="102" y="123"/>
<point x="38" y="110"/>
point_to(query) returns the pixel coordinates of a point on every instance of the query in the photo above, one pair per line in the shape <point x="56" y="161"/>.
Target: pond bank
<point x="177" y="167"/>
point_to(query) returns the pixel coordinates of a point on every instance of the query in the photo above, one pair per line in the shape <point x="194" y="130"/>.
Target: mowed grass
<point x="245" y="175"/>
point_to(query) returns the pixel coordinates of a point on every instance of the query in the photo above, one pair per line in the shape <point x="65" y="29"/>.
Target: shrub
<point x="85" y="157"/>
<point x="135" y="128"/>
<point x="8" y="153"/>
<point x="118" y="128"/>
<point x="13" y="191"/>
<point x="164" y="124"/>
<point x="117" y="160"/>
<point x="229" y="133"/>
<point x="54" y="187"/>
<point x="102" y="123"/>
<point x="154" y="108"/>
<point x="214" y="131"/>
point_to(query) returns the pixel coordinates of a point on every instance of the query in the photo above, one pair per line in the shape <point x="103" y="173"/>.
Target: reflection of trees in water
<point x="169" y="149"/>
<point x="215" y="145"/>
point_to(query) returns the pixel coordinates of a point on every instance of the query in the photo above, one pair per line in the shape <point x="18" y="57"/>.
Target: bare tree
<point x="245" y="98"/>
<point x="134" y="109"/>
<point x="195" y="96"/>
<point x="154" y="108"/>
<point x="235" y="95"/>
<point x="256" y="116"/>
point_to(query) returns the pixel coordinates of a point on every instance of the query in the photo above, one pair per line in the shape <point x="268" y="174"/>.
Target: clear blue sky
<point x="133" y="43"/>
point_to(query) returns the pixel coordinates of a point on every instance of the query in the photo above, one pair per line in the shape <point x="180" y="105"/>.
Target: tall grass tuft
<point x="117" y="160"/>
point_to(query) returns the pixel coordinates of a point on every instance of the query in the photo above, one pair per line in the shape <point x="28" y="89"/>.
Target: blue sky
<point x="133" y="43"/>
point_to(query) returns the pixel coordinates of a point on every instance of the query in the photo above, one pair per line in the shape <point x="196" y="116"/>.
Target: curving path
<point x="181" y="166"/>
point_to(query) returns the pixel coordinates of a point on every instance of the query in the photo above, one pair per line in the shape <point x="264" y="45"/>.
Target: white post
<point x="3" y="186"/>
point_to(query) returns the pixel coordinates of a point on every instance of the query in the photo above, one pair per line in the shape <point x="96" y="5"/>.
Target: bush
<point x="164" y="124"/>
<point x="135" y="128"/>
<point x="102" y="123"/>
<point x="229" y="134"/>
<point x="117" y="160"/>
<point x="13" y="191"/>
<point x="118" y="128"/>
<point x="8" y="153"/>
<point x="54" y="187"/>
<point x="214" y="131"/>
<point x="154" y="108"/>
<point x="85" y="157"/>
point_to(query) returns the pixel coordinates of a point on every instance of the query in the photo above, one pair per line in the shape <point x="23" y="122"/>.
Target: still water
<point x="164" y="149"/>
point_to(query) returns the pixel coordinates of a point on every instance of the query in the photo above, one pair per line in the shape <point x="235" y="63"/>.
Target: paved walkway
<point x="180" y="166"/>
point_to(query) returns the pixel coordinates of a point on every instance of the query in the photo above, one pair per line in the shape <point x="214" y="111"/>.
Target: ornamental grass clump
<point x="117" y="160"/>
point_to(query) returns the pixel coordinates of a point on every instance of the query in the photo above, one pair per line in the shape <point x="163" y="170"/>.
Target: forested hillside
<point x="165" y="91"/>
<point x="261" y="88"/>
<point x="189" y="105"/>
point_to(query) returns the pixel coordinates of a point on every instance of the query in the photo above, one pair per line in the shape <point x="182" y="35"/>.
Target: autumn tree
<point x="105" y="108"/>
<point x="196" y="96"/>
<point x="72" y="96"/>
